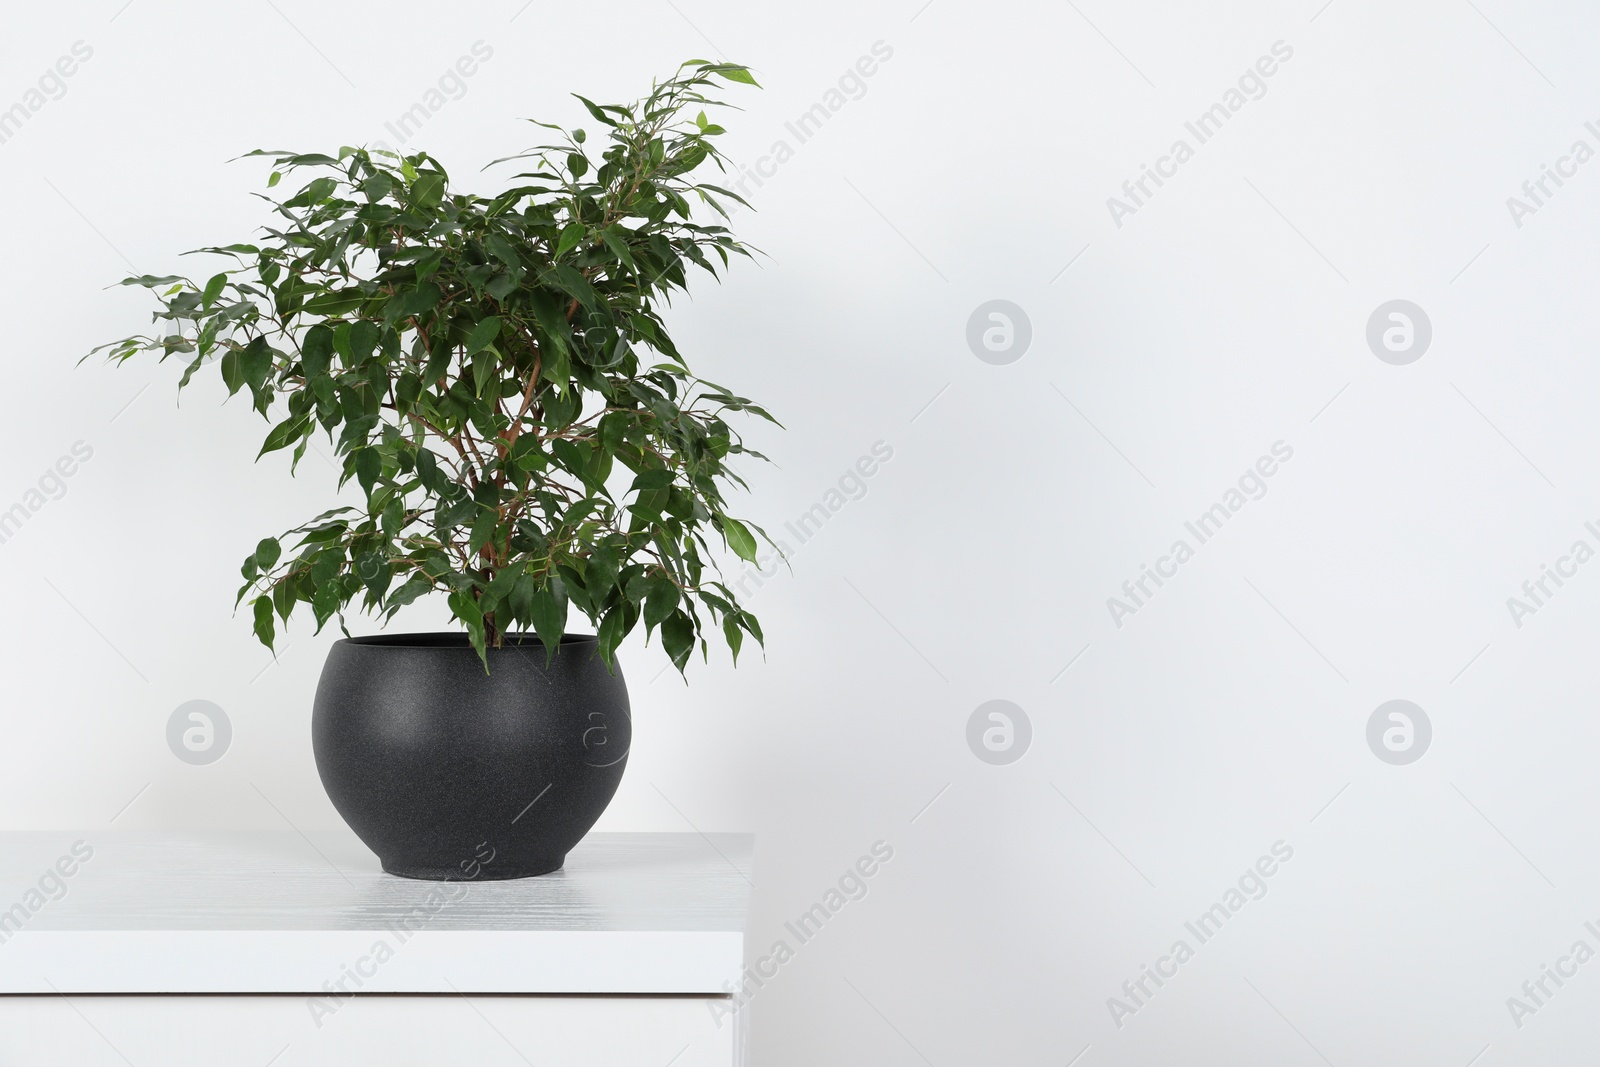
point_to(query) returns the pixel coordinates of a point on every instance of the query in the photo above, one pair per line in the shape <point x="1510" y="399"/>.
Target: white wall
<point x="1226" y="314"/>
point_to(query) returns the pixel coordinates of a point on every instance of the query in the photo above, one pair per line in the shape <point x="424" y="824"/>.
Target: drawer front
<point x="374" y="1030"/>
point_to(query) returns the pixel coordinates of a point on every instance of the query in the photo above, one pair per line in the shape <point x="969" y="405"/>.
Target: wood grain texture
<point x="282" y="912"/>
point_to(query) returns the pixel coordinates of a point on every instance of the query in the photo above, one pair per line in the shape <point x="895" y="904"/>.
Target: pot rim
<point x="449" y="640"/>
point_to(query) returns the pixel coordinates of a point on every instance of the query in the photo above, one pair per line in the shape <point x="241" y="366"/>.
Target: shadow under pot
<point x="449" y="772"/>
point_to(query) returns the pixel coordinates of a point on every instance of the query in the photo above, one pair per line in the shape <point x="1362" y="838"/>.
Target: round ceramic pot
<point x="451" y="772"/>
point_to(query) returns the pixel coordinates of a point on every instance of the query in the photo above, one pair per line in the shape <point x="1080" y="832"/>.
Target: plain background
<point x="1167" y="355"/>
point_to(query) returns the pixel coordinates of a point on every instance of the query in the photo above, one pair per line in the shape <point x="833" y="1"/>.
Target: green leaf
<point x="332" y="531"/>
<point x="552" y="318"/>
<point x="465" y="609"/>
<point x="733" y="635"/>
<point x="255" y="363"/>
<point x="264" y="624"/>
<point x="414" y="587"/>
<point x="677" y="638"/>
<point x="501" y="286"/>
<point x="232" y="370"/>
<point x="610" y="634"/>
<point x="267" y="553"/>
<point x="314" y="193"/>
<point x="549" y="618"/>
<point x="482" y="530"/>
<point x="521" y="596"/>
<point x="600" y="573"/>
<point x="618" y="247"/>
<point x="327" y="567"/>
<point x="150" y="281"/>
<point x="483" y="335"/>
<point x="438" y="363"/>
<point x="572" y="282"/>
<point x="503" y="250"/>
<point x="327" y="600"/>
<point x="499" y="588"/>
<point x="452" y="514"/>
<point x="373" y="569"/>
<point x="316" y="351"/>
<point x="613" y="427"/>
<point x="433" y="479"/>
<point x="748" y="621"/>
<point x="485" y="371"/>
<point x="369" y="464"/>
<point x="740" y="539"/>
<point x="660" y="602"/>
<point x="213" y="290"/>
<point x="336" y="303"/>
<point x="655" y="478"/>
<point x="283" y="598"/>
<point x="289" y="430"/>
<point x="594" y="109"/>
<point x="378" y="186"/>
<point x="408" y="391"/>
<point x="413" y="302"/>
<point x="570" y="237"/>
<point x="429" y="264"/>
<point x="363" y="339"/>
<point x="427" y="192"/>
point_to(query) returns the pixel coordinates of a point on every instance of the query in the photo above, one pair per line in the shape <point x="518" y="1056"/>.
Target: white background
<point x="1222" y="317"/>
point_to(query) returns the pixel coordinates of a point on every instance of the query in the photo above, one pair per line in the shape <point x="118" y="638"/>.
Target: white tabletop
<point x="286" y="913"/>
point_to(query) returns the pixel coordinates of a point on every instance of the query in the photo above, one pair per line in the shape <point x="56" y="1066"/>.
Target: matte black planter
<point x="449" y="773"/>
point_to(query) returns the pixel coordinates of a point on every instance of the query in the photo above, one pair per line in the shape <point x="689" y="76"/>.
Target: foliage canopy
<point x="496" y="376"/>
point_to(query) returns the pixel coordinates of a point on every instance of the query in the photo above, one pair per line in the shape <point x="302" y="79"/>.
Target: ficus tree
<point x="496" y="376"/>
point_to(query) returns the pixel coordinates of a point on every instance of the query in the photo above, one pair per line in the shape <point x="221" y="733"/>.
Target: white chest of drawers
<point x="296" y="951"/>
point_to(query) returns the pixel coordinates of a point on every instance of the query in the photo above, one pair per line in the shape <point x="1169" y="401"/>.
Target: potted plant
<point x="496" y="377"/>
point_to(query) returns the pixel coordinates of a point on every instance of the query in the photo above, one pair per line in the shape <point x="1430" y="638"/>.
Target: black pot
<point x="451" y="773"/>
